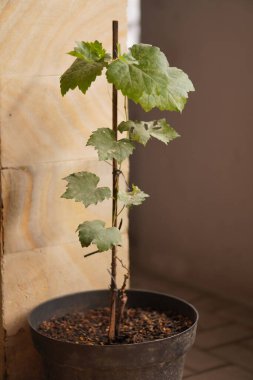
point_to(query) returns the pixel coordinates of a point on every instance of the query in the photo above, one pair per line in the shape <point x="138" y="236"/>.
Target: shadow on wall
<point x="197" y="225"/>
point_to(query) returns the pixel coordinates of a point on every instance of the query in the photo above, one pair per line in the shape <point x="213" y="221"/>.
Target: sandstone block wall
<point x="42" y="140"/>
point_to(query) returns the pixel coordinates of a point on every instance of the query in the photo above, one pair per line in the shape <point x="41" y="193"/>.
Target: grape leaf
<point x="94" y="232"/>
<point x="91" y="59"/>
<point x="138" y="130"/>
<point x="90" y="51"/>
<point x="132" y="198"/>
<point x="144" y="76"/>
<point x="179" y="86"/>
<point x="82" y="187"/>
<point x="104" y="141"/>
<point x="141" y="131"/>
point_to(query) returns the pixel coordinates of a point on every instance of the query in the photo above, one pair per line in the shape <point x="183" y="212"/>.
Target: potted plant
<point x="149" y="337"/>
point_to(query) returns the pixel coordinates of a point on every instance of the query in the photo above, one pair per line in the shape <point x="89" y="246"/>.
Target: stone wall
<point x="42" y="140"/>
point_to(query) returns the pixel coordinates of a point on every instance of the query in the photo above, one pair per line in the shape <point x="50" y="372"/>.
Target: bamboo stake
<point x="115" y="180"/>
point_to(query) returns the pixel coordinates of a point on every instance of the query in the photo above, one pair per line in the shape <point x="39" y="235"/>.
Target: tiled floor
<point x="224" y="345"/>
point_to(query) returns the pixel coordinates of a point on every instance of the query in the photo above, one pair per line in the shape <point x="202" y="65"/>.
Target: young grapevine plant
<point x="143" y="75"/>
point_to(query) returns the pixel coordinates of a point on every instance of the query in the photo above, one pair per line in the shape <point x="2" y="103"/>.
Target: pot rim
<point x="114" y="346"/>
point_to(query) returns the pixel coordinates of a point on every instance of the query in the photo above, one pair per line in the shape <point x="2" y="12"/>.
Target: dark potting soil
<point x="91" y="327"/>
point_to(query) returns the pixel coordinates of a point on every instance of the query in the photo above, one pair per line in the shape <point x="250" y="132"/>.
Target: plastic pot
<point x="161" y="359"/>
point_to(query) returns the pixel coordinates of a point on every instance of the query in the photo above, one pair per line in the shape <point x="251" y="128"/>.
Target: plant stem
<point x="125" y="107"/>
<point x="122" y="298"/>
<point x="115" y="179"/>
<point x="90" y="254"/>
<point x="121" y="210"/>
<point x="122" y="304"/>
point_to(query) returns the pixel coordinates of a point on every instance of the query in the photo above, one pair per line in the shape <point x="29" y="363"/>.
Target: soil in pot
<point x="90" y="327"/>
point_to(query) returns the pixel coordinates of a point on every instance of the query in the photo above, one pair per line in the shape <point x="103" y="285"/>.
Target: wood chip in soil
<point x="90" y="327"/>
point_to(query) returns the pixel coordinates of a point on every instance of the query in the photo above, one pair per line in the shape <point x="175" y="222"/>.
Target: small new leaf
<point x="94" y="232"/>
<point x="132" y="198"/>
<point x="90" y="51"/>
<point x="82" y="187"/>
<point x="141" y="131"/>
<point x="91" y="59"/>
<point x="144" y="76"/>
<point x="104" y="141"/>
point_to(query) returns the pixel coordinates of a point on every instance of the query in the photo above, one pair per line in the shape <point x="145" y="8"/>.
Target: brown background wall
<point x="42" y="140"/>
<point x="197" y="225"/>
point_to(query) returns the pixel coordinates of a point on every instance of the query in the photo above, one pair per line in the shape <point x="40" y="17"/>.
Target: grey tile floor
<point x="224" y="345"/>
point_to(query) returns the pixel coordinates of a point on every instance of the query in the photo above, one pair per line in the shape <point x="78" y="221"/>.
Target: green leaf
<point x="144" y="76"/>
<point x="91" y="59"/>
<point x="132" y="198"/>
<point x="138" y="130"/>
<point x="82" y="187"/>
<point x="94" y="232"/>
<point x="179" y="85"/>
<point x="90" y="51"/>
<point x="80" y="74"/>
<point x="104" y="141"/>
<point x="141" y="131"/>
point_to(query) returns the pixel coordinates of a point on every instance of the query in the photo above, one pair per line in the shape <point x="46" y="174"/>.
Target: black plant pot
<point x="161" y="359"/>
